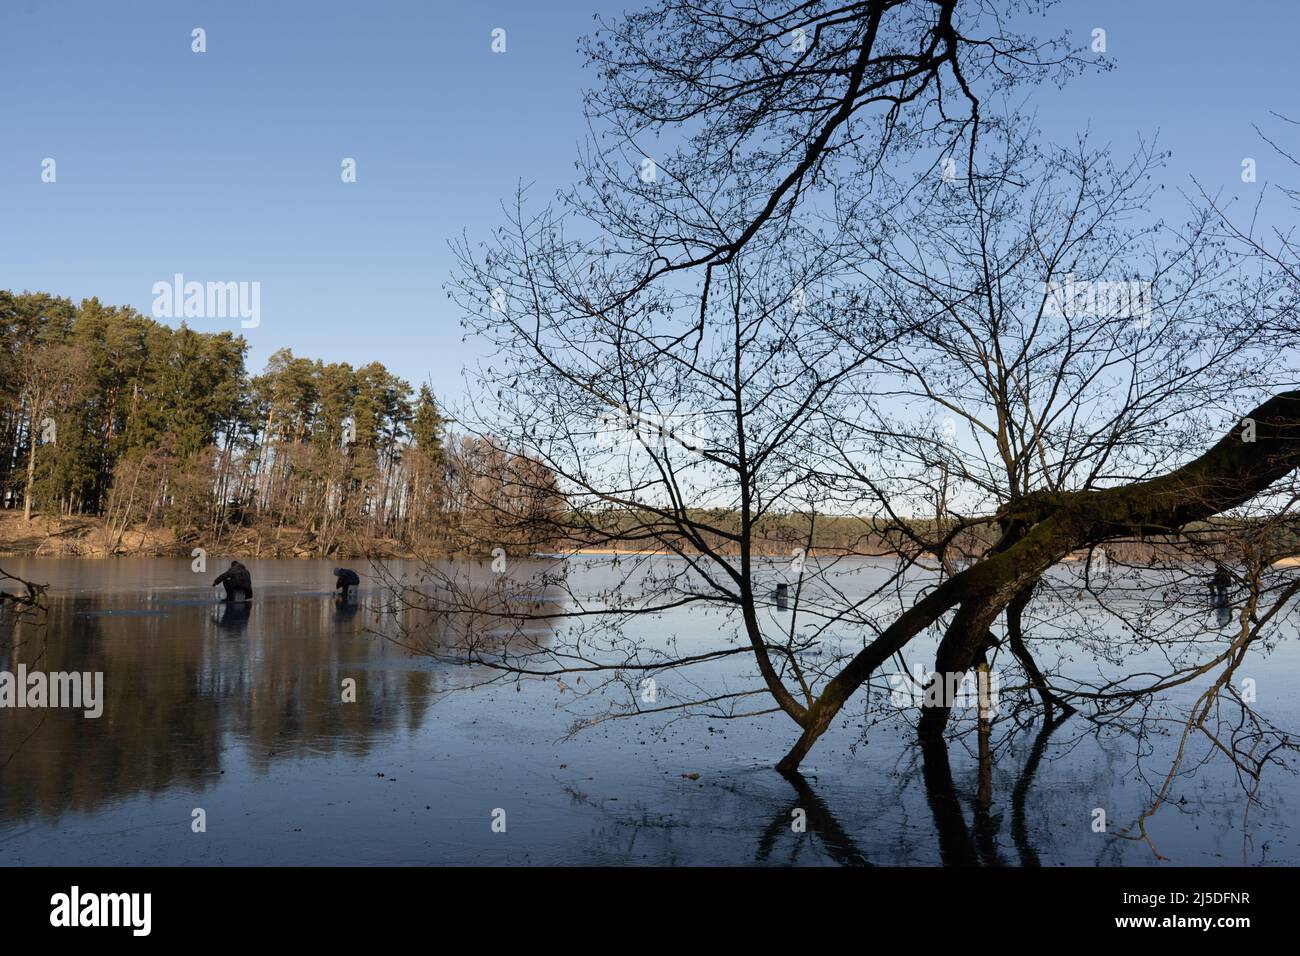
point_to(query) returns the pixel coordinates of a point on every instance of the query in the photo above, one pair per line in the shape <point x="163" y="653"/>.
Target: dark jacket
<point x="236" y="578"/>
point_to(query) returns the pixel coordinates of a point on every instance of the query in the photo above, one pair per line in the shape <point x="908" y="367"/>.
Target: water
<point x="237" y="712"/>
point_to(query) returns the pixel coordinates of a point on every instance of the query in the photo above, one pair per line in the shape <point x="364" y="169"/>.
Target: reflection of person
<point x="232" y="616"/>
<point x="239" y="585"/>
<point x="344" y="580"/>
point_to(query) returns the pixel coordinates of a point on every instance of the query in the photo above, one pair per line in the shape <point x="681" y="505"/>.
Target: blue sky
<point x="226" y="165"/>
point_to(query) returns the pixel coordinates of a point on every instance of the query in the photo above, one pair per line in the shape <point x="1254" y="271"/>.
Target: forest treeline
<point x="108" y="413"/>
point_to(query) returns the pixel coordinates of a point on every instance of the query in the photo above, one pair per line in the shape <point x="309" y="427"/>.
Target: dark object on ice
<point x="239" y="585"/>
<point x="782" y="597"/>
<point x="1219" y="585"/>
<point x="344" y="580"/>
<point x="1220" y="582"/>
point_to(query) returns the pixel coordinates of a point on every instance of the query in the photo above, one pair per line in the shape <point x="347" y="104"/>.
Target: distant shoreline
<point x="89" y="537"/>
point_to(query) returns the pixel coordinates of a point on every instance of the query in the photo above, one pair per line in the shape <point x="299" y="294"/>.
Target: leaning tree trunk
<point x="1241" y="465"/>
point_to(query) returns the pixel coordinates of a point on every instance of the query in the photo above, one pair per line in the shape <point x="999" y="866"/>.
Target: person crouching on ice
<point x="344" y="580"/>
<point x="239" y="585"/>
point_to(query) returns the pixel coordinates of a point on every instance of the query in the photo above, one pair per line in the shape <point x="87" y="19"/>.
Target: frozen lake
<point x="236" y="711"/>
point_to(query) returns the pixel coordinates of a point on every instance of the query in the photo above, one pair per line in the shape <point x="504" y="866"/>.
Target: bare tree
<point x="974" y="350"/>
